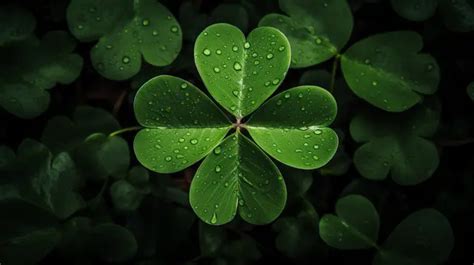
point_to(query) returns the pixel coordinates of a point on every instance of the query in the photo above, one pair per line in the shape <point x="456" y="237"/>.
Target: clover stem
<point x="129" y="129"/>
<point x="335" y="64"/>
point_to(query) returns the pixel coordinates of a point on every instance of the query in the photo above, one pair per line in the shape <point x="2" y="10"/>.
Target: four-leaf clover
<point x="183" y="126"/>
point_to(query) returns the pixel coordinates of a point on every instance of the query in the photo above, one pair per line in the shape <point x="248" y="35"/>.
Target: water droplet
<point x="157" y="146"/>
<point x="270" y="56"/>
<point x="279" y="102"/>
<point x="246" y="45"/>
<point x="325" y="4"/>
<point x="318" y="41"/>
<point x="298" y="150"/>
<point x="216" y="70"/>
<point x="80" y="26"/>
<point x="146" y="22"/>
<point x="300" y="95"/>
<point x="194" y="141"/>
<point x="282" y="48"/>
<point x="374" y="83"/>
<point x="318" y="132"/>
<point x="306" y="136"/>
<point x="235" y="48"/>
<point x="237" y="66"/>
<point x="217" y="150"/>
<point x="256" y="62"/>
<point x="316" y="146"/>
<point x="315" y="157"/>
<point x="155" y="33"/>
<point x="278" y="151"/>
<point x="235" y="93"/>
<point x="125" y="60"/>
<point x="206" y="52"/>
<point x="174" y="29"/>
<point x="226" y="184"/>
<point x="218" y="52"/>
<point x="367" y="61"/>
<point x="218" y="169"/>
<point x="168" y="158"/>
<point x="214" y="219"/>
<point x="241" y="202"/>
<point x="184" y="85"/>
<point x="254" y="54"/>
<point x="181" y="140"/>
<point x="429" y="67"/>
<point x="276" y="81"/>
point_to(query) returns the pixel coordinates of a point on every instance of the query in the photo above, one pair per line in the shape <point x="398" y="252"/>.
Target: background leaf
<point x="417" y="10"/>
<point x="309" y="26"/>
<point x="356" y="225"/>
<point x="387" y="70"/>
<point x="144" y="25"/>
<point x="17" y="24"/>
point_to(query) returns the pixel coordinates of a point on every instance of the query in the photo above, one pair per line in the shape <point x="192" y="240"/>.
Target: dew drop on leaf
<point x="214" y="219"/>
<point x="146" y="22"/>
<point x="237" y="66"/>
<point x="168" y="158"/>
<point x="206" y="52"/>
<point x="246" y="45"/>
<point x="216" y="70"/>
<point x="235" y="48"/>
<point x="125" y="60"/>
<point x="218" y="169"/>
<point x="217" y="150"/>
<point x="270" y="56"/>
<point x="318" y="132"/>
<point x="193" y="141"/>
<point x="174" y="29"/>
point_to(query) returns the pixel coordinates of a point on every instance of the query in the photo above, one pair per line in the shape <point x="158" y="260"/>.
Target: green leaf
<point x="126" y="31"/>
<point x="356" y="225"/>
<point x="311" y="30"/>
<point x="138" y="176"/>
<point x="297" y="181"/>
<point x="211" y="239"/>
<point x="388" y="71"/>
<point x="182" y="124"/>
<point x="415" y="10"/>
<point x="31" y="67"/>
<point x="25" y="226"/>
<point x="292" y="127"/>
<point x="7" y="155"/>
<point x="237" y="175"/>
<point x="47" y="181"/>
<point x="458" y="15"/>
<point x="113" y="243"/>
<point x="63" y="134"/>
<point x="241" y="73"/>
<point x="396" y="144"/>
<point x="125" y="196"/>
<point x="431" y="240"/>
<point x="470" y="90"/>
<point x="296" y="234"/>
<point x="17" y="24"/>
<point x="101" y="156"/>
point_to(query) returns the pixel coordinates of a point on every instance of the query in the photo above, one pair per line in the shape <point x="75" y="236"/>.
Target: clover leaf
<point x="126" y="31"/>
<point x="311" y="30"/>
<point x="17" y="24"/>
<point x="37" y="177"/>
<point x="356" y="226"/>
<point x="31" y="67"/>
<point x="182" y="125"/>
<point x="252" y="68"/>
<point x="387" y="70"/>
<point x="396" y="144"/>
<point x="415" y="10"/>
<point x="470" y="90"/>
<point x="458" y="15"/>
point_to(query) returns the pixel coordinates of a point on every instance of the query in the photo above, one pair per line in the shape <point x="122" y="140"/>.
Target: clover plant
<point x="182" y="125"/>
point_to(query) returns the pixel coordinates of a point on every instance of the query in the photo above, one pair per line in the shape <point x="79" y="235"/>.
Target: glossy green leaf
<point x="101" y="156"/>
<point x="39" y="178"/>
<point x="356" y="225"/>
<point x="388" y="71"/>
<point x="241" y="73"/>
<point x="237" y="176"/>
<point x="415" y="10"/>
<point x="292" y="127"/>
<point x="63" y="134"/>
<point x="31" y="67"/>
<point x="126" y="31"/>
<point x="17" y="24"/>
<point x="395" y="144"/>
<point x="458" y="15"/>
<point x="311" y="30"/>
<point x="470" y="91"/>
<point x="182" y="124"/>
<point x="113" y="243"/>
<point x="431" y="240"/>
